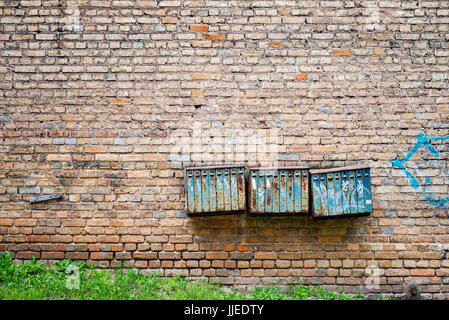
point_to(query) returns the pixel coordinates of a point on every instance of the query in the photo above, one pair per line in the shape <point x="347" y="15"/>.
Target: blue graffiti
<point x="423" y="140"/>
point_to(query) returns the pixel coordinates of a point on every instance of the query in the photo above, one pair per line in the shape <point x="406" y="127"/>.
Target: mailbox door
<point x="341" y="193"/>
<point x="278" y="191"/>
<point x="215" y="190"/>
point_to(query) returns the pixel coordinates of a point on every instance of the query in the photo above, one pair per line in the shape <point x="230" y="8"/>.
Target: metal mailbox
<point x="215" y="190"/>
<point x="341" y="192"/>
<point x="278" y="191"/>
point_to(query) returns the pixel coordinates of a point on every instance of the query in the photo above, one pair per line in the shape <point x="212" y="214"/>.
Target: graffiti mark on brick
<point x="57" y="165"/>
<point x="414" y="179"/>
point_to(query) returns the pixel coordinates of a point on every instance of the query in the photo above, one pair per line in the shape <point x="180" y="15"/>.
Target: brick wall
<point x="98" y="101"/>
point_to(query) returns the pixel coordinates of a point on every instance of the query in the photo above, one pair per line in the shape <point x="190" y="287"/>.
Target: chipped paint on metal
<point x="341" y="193"/>
<point x="253" y="190"/>
<point x="346" y="195"/>
<point x="297" y="190"/>
<point x="283" y="191"/>
<point x="352" y="190"/>
<point x="261" y="192"/>
<point x="234" y="190"/>
<point x="205" y="190"/>
<point x="290" y="198"/>
<point x="367" y="188"/>
<point x="360" y="192"/>
<point x="268" y="192"/>
<point x="324" y="198"/>
<point x="227" y="189"/>
<point x="198" y="206"/>
<point x="276" y="196"/>
<point x="330" y="193"/>
<point x="220" y="190"/>
<point x="190" y="191"/>
<point x="215" y="190"/>
<point x="316" y="195"/>
<point x="305" y="191"/>
<point x="241" y="188"/>
<point x="277" y="191"/>
<point x="338" y="194"/>
<point x="212" y="191"/>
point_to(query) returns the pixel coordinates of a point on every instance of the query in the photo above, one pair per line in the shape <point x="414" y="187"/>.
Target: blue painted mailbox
<point x="278" y="191"/>
<point x="215" y="190"/>
<point x="341" y="192"/>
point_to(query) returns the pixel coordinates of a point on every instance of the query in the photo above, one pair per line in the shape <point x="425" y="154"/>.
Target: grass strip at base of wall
<point x="68" y="280"/>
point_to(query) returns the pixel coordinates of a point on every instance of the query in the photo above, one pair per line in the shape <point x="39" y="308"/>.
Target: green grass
<point x="35" y="281"/>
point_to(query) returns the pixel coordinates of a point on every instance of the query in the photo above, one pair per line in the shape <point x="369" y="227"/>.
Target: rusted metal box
<point x="278" y="191"/>
<point x="341" y="192"/>
<point x="215" y="190"/>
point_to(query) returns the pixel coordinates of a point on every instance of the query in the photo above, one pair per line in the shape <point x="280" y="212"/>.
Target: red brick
<point x="200" y="76"/>
<point x="342" y="52"/>
<point x="117" y="247"/>
<point x="101" y="255"/>
<point x="38" y="238"/>
<point x="94" y="247"/>
<point x="329" y="239"/>
<point x="52" y="255"/>
<point x="27" y="255"/>
<point x="309" y="264"/>
<point x="77" y="255"/>
<point x="120" y="101"/>
<point x="25" y="222"/>
<point x="282" y="264"/>
<point x="141" y="264"/>
<point x="95" y="149"/>
<point x="199" y="27"/>
<point x="10" y="134"/>
<point x="216" y="255"/>
<point x="275" y="44"/>
<point x="61" y="238"/>
<point x="129" y="238"/>
<point x="197" y="93"/>
<point x="145" y="255"/>
<point x="6" y="222"/>
<point x="265" y="255"/>
<point x="422" y="272"/>
<point x="214" y="36"/>
<point x="169" y="255"/>
<point x="169" y="20"/>
<point x="108" y="238"/>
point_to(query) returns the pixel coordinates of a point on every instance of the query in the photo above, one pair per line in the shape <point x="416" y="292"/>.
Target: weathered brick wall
<point x="98" y="101"/>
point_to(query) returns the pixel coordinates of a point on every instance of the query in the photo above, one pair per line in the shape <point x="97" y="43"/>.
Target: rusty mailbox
<point x="341" y="192"/>
<point x="215" y="190"/>
<point x="278" y="191"/>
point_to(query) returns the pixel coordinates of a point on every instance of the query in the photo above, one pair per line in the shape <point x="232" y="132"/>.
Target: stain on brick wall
<point x="99" y="102"/>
